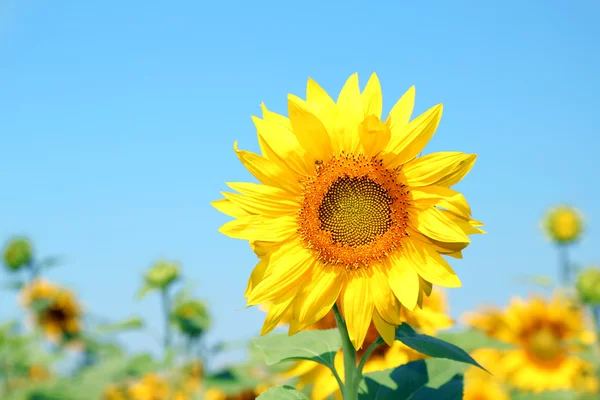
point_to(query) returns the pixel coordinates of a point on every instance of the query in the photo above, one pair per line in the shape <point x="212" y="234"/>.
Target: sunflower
<point x="545" y="334"/>
<point x="429" y="320"/>
<point x="563" y="224"/>
<point x="479" y="384"/>
<point x="351" y="211"/>
<point x="114" y="392"/>
<point x="55" y="310"/>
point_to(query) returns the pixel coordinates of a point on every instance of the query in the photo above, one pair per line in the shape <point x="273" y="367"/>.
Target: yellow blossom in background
<point x="39" y="373"/>
<point x="481" y="385"/>
<point x="544" y="333"/>
<point x="249" y="394"/>
<point x="150" y="387"/>
<point x="114" y="392"/>
<point x="348" y="210"/>
<point x="563" y="224"/>
<point x="192" y="377"/>
<point x="431" y="319"/>
<point x="17" y="253"/>
<point x="54" y="308"/>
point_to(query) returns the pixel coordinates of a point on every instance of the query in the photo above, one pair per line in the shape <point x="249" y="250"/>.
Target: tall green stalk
<point x="166" y="306"/>
<point x="564" y="264"/>
<point x="351" y="375"/>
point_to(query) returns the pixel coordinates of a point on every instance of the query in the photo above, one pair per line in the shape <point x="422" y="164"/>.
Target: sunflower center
<point x="56" y="314"/>
<point x="354" y="211"/>
<point x="545" y="344"/>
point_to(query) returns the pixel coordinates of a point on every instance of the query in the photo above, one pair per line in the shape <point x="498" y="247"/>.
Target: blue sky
<point x="117" y="121"/>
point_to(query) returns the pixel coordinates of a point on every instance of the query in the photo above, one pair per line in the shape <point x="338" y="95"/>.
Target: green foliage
<point x="282" y="393"/>
<point x="17" y="253"/>
<point x="314" y="345"/>
<point x="431" y="346"/>
<point x="394" y="384"/>
<point x="451" y="390"/>
<point x="232" y="380"/>
<point x="158" y="277"/>
<point x="129" y="324"/>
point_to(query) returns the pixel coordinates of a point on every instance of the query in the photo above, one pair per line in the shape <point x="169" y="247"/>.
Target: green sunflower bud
<point x="17" y="253"/>
<point x="588" y="285"/>
<point x="159" y="277"/>
<point x="192" y="318"/>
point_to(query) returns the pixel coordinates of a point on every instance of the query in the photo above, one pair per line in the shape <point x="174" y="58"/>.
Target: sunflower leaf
<point x="231" y="381"/>
<point x="472" y="340"/>
<point x="431" y="346"/>
<point x="128" y="324"/>
<point x="553" y="395"/>
<point x="451" y="390"/>
<point x="319" y="346"/>
<point x="282" y="393"/>
<point x="396" y="383"/>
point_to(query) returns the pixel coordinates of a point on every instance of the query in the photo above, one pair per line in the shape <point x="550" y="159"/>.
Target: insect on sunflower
<point x="345" y="210"/>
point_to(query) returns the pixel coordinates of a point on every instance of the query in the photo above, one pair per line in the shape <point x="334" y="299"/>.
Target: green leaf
<point x="394" y="384"/>
<point x="128" y="324"/>
<point x="431" y="346"/>
<point x="470" y="340"/>
<point x="554" y="395"/>
<point x="232" y="381"/>
<point x="451" y="390"/>
<point x="282" y="393"/>
<point x="316" y="345"/>
<point x="441" y="370"/>
<point x="144" y="291"/>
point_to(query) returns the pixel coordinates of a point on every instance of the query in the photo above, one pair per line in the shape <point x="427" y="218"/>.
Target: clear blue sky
<point x="117" y="121"/>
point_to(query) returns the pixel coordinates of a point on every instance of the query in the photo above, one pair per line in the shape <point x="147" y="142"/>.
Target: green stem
<point x="352" y="378"/>
<point x="166" y="306"/>
<point x="564" y="264"/>
<point x="367" y="354"/>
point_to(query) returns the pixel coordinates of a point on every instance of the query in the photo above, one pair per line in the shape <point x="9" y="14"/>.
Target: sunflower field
<point x="352" y="228"/>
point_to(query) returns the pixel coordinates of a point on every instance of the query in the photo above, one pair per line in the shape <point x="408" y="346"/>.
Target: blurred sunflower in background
<point x="429" y="320"/>
<point x="351" y="211"/>
<point x="55" y="310"/>
<point x="481" y="385"/>
<point x="547" y="335"/>
<point x="563" y="224"/>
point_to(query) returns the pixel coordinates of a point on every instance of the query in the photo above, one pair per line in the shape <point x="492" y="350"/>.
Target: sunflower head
<point x="481" y="385"/>
<point x="192" y="317"/>
<point x="55" y="310"/>
<point x="17" y="253"/>
<point x="544" y="332"/>
<point x="588" y="285"/>
<point x="347" y="211"/>
<point x="563" y="224"/>
<point x="162" y="274"/>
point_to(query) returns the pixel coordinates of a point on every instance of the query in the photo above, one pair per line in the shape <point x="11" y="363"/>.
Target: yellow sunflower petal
<point x="321" y="293"/>
<point x="228" y="208"/>
<point x="257" y="275"/>
<point x="309" y="129"/>
<point x="430" y="265"/>
<point x="276" y="311"/>
<point x="407" y="144"/>
<point x="357" y="305"/>
<point x="384" y="299"/>
<point x="351" y="114"/>
<point x="433" y="169"/>
<point x="279" y="144"/>
<point x="371" y="97"/>
<point x="263" y="205"/>
<point x="441" y="196"/>
<point x="438" y="226"/>
<point x="401" y="112"/>
<point x="374" y="135"/>
<point x="258" y="227"/>
<point x="403" y="280"/>
<point x="386" y="330"/>
<point x="290" y="265"/>
<point x="266" y="171"/>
